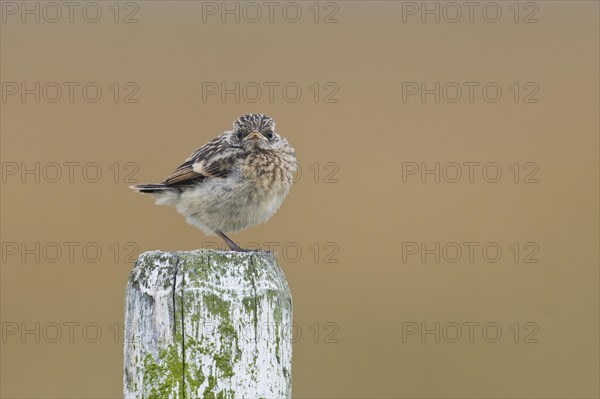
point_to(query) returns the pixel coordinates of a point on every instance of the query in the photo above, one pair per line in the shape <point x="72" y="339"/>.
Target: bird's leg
<point x="232" y="245"/>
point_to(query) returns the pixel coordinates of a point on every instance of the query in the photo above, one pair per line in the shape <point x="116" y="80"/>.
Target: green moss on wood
<point x="216" y="306"/>
<point x="199" y="272"/>
<point x="164" y="375"/>
<point x="210" y="388"/>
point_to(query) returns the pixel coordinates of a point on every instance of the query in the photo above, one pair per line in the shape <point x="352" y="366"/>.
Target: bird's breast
<point x="269" y="171"/>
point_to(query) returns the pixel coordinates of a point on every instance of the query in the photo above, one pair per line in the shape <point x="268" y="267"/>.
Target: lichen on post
<point x="207" y="324"/>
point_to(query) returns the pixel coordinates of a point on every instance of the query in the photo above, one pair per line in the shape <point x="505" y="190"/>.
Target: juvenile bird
<point x="237" y="180"/>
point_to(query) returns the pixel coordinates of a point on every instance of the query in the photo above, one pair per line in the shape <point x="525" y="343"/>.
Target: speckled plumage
<point x="237" y="180"/>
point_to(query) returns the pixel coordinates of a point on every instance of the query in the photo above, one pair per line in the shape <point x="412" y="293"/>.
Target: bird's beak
<point x="255" y="136"/>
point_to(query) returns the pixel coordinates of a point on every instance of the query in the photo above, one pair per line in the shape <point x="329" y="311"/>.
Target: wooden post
<point x="207" y="324"/>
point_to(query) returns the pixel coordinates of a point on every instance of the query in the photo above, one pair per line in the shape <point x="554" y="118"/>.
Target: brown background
<point x="368" y="213"/>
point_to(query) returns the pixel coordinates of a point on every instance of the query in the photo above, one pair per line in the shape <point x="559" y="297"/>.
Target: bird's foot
<point x="231" y="244"/>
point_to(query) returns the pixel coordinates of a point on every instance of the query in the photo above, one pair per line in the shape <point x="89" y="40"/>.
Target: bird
<point x="236" y="180"/>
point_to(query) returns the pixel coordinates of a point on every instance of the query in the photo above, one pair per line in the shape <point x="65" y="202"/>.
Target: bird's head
<point x="254" y="132"/>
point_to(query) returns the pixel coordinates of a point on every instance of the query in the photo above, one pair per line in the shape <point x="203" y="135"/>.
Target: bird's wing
<point x="214" y="159"/>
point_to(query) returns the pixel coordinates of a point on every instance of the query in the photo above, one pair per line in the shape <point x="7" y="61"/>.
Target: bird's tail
<point x="152" y="188"/>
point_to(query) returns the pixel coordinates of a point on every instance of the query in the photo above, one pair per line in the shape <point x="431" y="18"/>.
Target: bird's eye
<point x="238" y="135"/>
<point x="270" y="135"/>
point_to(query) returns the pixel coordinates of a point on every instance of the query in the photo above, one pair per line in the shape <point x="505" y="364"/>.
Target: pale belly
<point x="229" y="205"/>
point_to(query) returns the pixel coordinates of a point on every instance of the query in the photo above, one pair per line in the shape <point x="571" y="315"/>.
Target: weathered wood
<point x="207" y="324"/>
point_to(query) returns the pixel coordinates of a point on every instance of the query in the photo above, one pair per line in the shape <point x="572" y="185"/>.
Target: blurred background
<point x="441" y="238"/>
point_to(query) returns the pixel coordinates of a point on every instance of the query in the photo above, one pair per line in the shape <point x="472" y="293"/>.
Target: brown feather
<point x="213" y="160"/>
